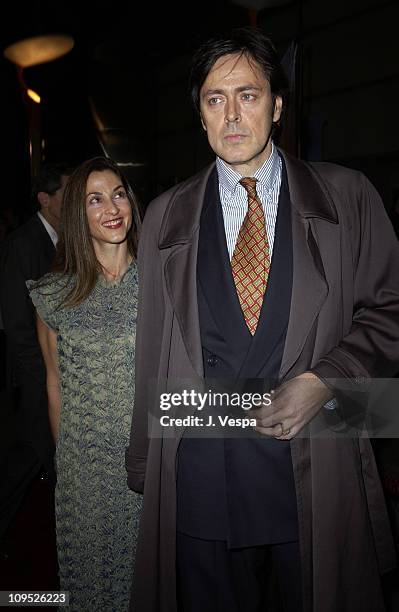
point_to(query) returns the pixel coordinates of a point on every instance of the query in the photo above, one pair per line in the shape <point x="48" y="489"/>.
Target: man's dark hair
<point x="50" y="176"/>
<point x="248" y="41"/>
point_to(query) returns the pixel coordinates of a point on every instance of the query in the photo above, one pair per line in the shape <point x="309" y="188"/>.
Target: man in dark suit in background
<point x="28" y="253"/>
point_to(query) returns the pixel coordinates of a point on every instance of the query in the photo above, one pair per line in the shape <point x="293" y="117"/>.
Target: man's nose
<point x="232" y="112"/>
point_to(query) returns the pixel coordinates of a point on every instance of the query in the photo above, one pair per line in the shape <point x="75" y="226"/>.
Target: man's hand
<point x="293" y="405"/>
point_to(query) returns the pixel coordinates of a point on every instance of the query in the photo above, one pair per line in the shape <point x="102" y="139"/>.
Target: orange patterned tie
<point x="251" y="258"/>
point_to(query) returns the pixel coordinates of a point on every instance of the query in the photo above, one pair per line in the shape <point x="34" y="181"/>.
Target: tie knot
<point x="249" y="184"/>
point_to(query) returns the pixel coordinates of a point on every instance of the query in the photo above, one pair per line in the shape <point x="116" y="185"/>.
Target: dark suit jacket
<point x="27" y="253"/>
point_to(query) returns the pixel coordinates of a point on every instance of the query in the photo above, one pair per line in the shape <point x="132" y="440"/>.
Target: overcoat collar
<point x="180" y="231"/>
<point x="182" y="217"/>
<point x="309" y="197"/>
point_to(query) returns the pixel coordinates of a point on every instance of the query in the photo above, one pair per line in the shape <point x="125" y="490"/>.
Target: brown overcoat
<point x="344" y="322"/>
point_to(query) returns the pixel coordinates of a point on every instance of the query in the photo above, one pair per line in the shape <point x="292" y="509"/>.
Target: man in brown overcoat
<point x="269" y="268"/>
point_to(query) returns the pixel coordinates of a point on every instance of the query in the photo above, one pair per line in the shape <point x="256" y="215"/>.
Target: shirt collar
<point x="266" y="174"/>
<point x="49" y="228"/>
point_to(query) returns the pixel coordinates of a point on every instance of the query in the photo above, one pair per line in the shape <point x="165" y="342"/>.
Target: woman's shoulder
<point x="50" y="284"/>
<point x="47" y="282"/>
<point x="50" y="290"/>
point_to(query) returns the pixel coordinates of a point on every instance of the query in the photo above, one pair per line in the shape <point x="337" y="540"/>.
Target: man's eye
<point x="248" y="96"/>
<point x="213" y="101"/>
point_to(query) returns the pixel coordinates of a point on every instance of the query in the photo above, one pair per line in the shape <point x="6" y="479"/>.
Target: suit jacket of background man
<point x="344" y="322"/>
<point x="28" y="253"/>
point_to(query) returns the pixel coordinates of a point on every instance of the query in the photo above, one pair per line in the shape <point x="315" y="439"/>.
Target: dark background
<point x="122" y="90"/>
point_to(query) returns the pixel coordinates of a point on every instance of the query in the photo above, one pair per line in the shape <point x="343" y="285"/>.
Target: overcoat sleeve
<point x="150" y="317"/>
<point x="371" y="348"/>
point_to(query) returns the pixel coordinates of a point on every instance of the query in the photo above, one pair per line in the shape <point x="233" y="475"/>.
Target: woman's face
<point x="108" y="209"/>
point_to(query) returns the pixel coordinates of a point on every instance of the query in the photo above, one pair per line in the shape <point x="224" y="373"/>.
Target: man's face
<point x="50" y="204"/>
<point x="237" y="112"/>
<point x="55" y="200"/>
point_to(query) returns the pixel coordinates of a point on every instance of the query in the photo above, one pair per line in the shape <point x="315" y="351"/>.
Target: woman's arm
<point x="48" y="344"/>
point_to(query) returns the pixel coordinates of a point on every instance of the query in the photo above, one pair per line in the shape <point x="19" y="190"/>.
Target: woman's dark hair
<point x="75" y="252"/>
<point x="248" y="41"/>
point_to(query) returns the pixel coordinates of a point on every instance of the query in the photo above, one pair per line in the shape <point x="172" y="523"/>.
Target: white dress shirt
<point x="49" y="228"/>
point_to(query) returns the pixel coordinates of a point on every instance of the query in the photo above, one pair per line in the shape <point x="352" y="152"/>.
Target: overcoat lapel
<point x="309" y="290"/>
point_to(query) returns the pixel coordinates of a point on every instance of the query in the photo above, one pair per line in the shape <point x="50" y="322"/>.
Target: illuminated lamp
<point x="25" y="54"/>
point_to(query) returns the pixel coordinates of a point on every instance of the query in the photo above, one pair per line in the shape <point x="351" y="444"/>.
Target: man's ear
<point x="278" y="107"/>
<point x="43" y="199"/>
<point x="202" y="122"/>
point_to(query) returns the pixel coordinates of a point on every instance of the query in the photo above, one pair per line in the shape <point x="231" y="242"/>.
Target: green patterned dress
<point x="96" y="515"/>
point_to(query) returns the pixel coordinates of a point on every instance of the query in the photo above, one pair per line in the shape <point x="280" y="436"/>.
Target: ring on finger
<point x="285" y="432"/>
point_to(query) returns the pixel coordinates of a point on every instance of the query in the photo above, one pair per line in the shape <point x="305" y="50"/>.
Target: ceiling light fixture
<point x="39" y="49"/>
<point x="30" y="52"/>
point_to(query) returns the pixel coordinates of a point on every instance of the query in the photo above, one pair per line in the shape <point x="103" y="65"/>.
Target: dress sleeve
<point x="44" y="299"/>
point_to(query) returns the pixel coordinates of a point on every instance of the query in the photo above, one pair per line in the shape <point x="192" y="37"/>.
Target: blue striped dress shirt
<point x="234" y="198"/>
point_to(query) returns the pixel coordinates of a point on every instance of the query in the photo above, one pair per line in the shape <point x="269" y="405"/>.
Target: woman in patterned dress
<point x="86" y="326"/>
